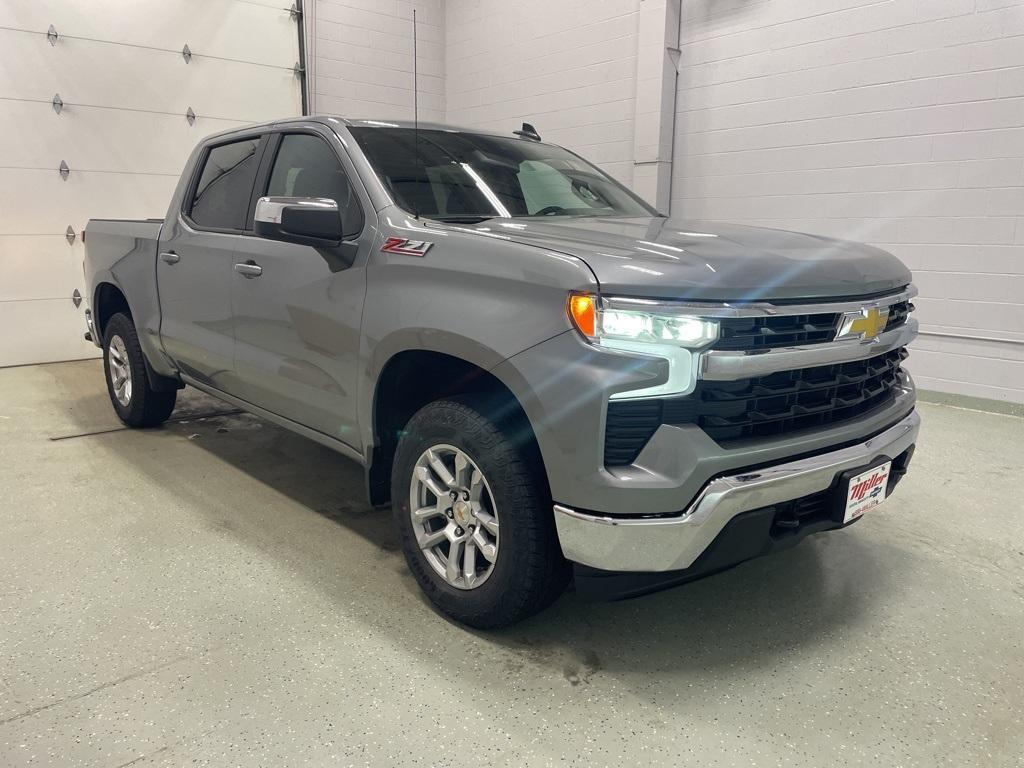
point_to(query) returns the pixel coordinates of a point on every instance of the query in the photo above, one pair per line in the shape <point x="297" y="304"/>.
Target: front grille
<point x="748" y="333"/>
<point x="761" y="407"/>
<point x="898" y="314"/>
<point x="744" y="334"/>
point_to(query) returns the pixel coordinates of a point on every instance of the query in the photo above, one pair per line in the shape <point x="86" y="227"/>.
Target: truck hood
<point x="655" y="257"/>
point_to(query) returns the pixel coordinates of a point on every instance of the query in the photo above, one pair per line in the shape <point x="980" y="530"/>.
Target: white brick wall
<point x="568" y="67"/>
<point x="360" y="57"/>
<point x="900" y="123"/>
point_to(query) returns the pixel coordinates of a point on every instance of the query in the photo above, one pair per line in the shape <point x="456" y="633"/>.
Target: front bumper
<point x="673" y="543"/>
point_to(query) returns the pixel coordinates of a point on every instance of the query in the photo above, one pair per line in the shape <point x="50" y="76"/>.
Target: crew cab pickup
<point x="542" y="376"/>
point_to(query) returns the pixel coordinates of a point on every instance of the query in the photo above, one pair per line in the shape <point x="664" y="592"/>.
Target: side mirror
<point x="304" y="220"/>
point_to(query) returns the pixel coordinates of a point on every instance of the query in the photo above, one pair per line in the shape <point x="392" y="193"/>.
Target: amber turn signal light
<point x="582" y="310"/>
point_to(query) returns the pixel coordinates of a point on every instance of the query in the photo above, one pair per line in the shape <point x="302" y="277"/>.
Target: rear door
<point x="297" y="324"/>
<point x="194" y="265"/>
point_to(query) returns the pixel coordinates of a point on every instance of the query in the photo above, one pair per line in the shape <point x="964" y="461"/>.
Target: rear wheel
<point x="136" y="403"/>
<point x="474" y="516"/>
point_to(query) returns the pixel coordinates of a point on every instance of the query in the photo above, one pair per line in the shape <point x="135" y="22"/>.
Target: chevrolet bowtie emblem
<point x="864" y="324"/>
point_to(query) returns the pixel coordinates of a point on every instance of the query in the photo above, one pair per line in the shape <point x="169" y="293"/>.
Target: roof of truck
<point x="363" y="123"/>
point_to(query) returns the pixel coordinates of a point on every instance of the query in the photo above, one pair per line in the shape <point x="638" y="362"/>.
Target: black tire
<point x="146" y="407"/>
<point x="529" y="572"/>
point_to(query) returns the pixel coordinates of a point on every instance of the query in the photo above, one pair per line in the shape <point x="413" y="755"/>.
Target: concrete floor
<point x="216" y="592"/>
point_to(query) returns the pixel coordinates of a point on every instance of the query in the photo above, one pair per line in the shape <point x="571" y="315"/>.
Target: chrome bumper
<point x="674" y="543"/>
<point x="90" y="329"/>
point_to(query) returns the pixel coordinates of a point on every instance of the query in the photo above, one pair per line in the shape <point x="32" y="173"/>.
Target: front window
<point x="469" y="176"/>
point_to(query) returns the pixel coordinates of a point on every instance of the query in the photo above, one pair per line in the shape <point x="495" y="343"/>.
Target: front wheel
<point x="136" y="403"/>
<point x="474" y="516"/>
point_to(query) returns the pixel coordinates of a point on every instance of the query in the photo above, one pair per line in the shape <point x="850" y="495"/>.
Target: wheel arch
<point x="412" y="378"/>
<point x="108" y="300"/>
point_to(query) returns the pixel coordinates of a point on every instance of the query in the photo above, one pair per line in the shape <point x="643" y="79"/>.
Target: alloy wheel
<point x="454" y="516"/>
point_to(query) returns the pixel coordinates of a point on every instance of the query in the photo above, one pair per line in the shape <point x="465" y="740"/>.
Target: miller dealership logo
<point x="865" y="324"/>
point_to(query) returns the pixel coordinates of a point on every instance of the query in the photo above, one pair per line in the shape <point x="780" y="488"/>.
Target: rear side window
<point x="306" y="166"/>
<point x="221" y="199"/>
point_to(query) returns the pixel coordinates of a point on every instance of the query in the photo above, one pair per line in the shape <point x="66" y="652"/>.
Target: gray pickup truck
<point x="543" y="377"/>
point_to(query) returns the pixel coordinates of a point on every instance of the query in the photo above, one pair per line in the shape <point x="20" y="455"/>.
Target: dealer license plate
<point x="866" y="491"/>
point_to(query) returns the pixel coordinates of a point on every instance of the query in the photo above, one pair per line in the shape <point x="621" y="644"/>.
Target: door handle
<point x="249" y="269"/>
<point x="170" y="257"/>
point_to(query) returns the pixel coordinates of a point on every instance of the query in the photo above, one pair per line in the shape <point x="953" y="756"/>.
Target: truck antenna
<point x="415" y="108"/>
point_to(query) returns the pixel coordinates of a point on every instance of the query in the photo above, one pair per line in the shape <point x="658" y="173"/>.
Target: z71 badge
<point x="406" y="247"/>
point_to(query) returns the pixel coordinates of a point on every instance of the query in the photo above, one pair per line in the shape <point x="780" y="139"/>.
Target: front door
<point x="297" y="309"/>
<point x="194" y="265"/>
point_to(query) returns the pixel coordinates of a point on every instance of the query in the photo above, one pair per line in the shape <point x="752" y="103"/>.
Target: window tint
<point x="306" y="166"/>
<point x="222" y="196"/>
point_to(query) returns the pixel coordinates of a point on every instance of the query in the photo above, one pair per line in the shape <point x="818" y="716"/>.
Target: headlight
<point x="646" y="327"/>
<point x="638" y="320"/>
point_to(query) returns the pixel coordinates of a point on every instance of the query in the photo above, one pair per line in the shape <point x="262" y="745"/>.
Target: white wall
<point x="568" y="67"/>
<point x="360" y="57"/>
<point x="900" y="123"/>
<point x="118" y="68"/>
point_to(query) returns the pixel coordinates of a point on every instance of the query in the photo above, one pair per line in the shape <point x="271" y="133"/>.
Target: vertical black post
<point x="303" y="65"/>
<point x="415" y="105"/>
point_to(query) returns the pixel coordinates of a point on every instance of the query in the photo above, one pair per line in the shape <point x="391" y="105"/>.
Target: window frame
<point x="266" y="170"/>
<point x="189" y="198"/>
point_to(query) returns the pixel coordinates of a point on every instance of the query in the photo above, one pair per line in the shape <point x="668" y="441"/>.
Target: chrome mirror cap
<point x="312" y="221"/>
<point x="269" y="209"/>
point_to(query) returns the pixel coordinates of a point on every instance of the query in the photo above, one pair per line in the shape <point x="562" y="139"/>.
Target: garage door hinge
<point x="190" y="116"/>
<point x="65" y="171"/>
<point x="70" y="235"/>
<point x="299" y="70"/>
<point x="58" y="103"/>
<point x="51" y="35"/>
<point x="76" y="298"/>
<point x="295" y="12"/>
<point x="186" y="53"/>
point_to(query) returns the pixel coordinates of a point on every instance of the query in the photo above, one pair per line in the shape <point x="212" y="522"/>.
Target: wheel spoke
<point x="488" y="521"/>
<point x="430" y="540"/>
<point x="487" y="549"/>
<point x="469" y="562"/>
<point x="432" y="485"/>
<point x="440" y="469"/>
<point x="461" y="465"/>
<point x="423" y="514"/>
<point x="452" y="569"/>
<point x="476" y="485"/>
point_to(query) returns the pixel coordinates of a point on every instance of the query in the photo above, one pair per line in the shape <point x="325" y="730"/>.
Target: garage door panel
<point x="40" y="202"/>
<point x="39" y="267"/>
<point x="88" y="138"/>
<point x="47" y="330"/>
<point x="236" y="30"/>
<point x="126" y="88"/>
<point x="128" y="78"/>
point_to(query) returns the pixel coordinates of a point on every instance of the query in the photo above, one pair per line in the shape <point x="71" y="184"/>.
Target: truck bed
<point x="108" y="241"/>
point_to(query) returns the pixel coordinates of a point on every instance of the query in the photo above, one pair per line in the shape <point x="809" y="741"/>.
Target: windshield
<point x="468" y="176"/>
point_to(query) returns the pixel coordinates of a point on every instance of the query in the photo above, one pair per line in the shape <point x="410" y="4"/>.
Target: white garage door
<point x="123" y="130"/>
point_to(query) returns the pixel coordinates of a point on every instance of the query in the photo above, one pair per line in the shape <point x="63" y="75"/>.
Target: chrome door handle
<point x="170" y="257"/>
<point x="249" y="269"/>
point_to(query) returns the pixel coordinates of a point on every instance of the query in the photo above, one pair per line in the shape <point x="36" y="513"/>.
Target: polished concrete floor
<point x="216" y="592"/>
